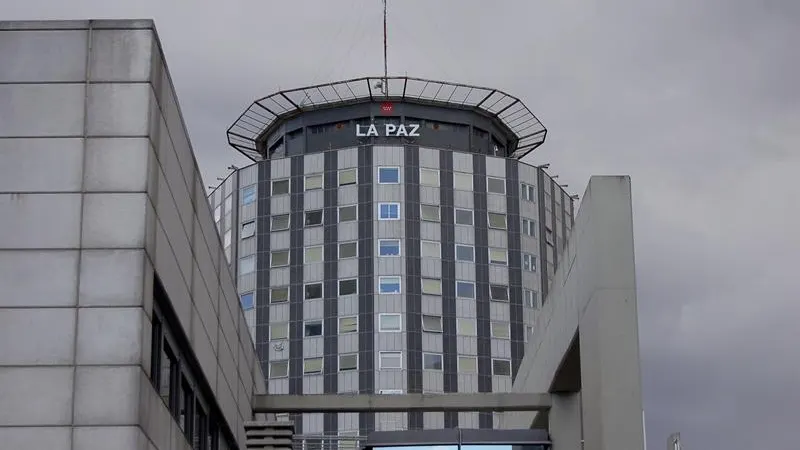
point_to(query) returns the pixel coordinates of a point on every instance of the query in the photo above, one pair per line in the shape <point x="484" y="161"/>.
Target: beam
<point x="317" y="403"/>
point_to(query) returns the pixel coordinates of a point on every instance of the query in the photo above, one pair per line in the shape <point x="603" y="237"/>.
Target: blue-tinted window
<point x="465" y="289"/>
<point x="247" y="301"/>
<point x="388" y="174"/>
<point x="389" y="285"/>
<point x="389" y="247"/>
<point x="388" y="211"/>
<point x="248" y="195"/>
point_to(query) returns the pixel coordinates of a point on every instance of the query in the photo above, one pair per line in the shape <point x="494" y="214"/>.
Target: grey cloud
<point x="697" y="101"/>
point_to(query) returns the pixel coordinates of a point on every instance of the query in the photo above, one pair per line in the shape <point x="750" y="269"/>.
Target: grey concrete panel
<point x="117" y="164"/>
<point x="35" y="336"/>
<point x="114" y="220"/>
<point x="22" y="272"/>
<point x="41" y="110"/>
<point x="112" y="278"/>
<point x="121" y="55"/>
<point x="109" y="336"/>
<point x="106" y="118"/>
<point x="34" y="438"/>
<point x="40" y="395"/>
<point x="40" y="220"/>
<point x="43" y="56"/>
<point x="107" y="395"/>
<point x="50" y="165"/>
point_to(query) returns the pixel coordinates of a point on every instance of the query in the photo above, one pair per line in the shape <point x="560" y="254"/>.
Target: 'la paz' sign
<point x="391" y="130"/>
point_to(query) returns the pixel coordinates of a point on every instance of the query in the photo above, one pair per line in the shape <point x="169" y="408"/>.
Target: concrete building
<point x="120" y="326"/>
<point x="389" y="239"/>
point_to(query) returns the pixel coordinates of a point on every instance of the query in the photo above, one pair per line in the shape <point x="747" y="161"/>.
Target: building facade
<point x="390" y="242"/>
<point x="120" y="324"/>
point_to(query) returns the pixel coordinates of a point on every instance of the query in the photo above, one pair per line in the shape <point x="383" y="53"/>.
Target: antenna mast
<point x="385" y="61"/>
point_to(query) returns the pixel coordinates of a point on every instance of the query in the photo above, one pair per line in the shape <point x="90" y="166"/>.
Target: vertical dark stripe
<point x="449" y="342"/>
<point x="564" y="199"/>
<point x="331" y="339"/>
<point x="482" y="284"/>
<point x="296" y="280"/>
<point x="412" y="282"/>
<point x="262" y="264"/>
<point x="235" y="225"/>
<point x="540" y="180"/>
<point x="366" y="285"/>
<point x="515" y="265"/>
<point x="553" y="188"/>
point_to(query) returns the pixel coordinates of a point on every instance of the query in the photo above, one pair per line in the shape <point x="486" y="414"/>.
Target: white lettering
<point x="390" y="130"/>
<point x="401" y="131"/>
<point x="414" y="130"/>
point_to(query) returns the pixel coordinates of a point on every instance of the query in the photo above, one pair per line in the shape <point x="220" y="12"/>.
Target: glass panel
<point x="501" y="367"/>
<point x="498" y="256"/>
<point x="348" y="176"/>
<point x="389" y="175"/>
<point x="248" y="264"/>
<point x="247" y="301"/>
<point x="248" y="195"/>
<point x="280" y="222"/>
<point x="313" y="328"/>
<point x="279" y="294"/>
<point x="501" y="330"/>
<point x="462" y="181"/>
<point x="313" y="254"/>
<point x="465" y="289"/>
<point x="313" y="291"/>
<point x="278" y="331"/>
<point x="348" y="213"/>
<point x="430" y="249"/>
<point x="348" y="325"/>
<point x="465" y="253"/>
<point x="313" y="218"/>
<point x="464" y="217"/>
<point x="497" y="221"/>
<point x="389" y="211"/>
<point x="389" y="285"/>
<point x="280" y="258"/>
<point x="348" y="361"/>
<point x="391" y="360"/>
<point x="348" y="287"/>
<point x="314" y="182"/>
<point x="390" y="322"/>
<point x="496" y="185"/>
<point x="431" y="361"/>
<point x="312" y="365"/>
<point x="389" y="247"/>
<point x="248" y="229"/>
<point x="466" y="327"/>
<point x="432" y="324"/>
<point x="498" y="292"/>
<point x="348" y="250"/>
<point x="429" y="177"/>
<point x="467" y="364"/>
<point x="431" y="286"/>
<point x="429" y="212"/>
<point x="280" y="187"/>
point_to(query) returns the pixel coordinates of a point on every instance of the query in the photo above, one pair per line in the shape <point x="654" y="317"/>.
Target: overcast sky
<point x="697" y="100"/>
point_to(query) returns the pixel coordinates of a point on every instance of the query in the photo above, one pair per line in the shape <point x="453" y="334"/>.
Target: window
<point x="389" y="211"/>
<point x="498" y="292"/>
<point x="498" y="256"/>
<point x="390" y="322"/>
<point x="313" y="254"/>
<point x="348" y="213"/>
<point x="495" y="185"/>
<point x="497" y="221"/>
<point x="389" y="247"/>
<point x="527" y="193"/>
<point x="248" y="229"/>
<point x="465" y="289"/>
<point x="247" y="265"/>
<point x="528" y="262"/>
<point x="313" y="218"/>
<point x="430" y="249"/>
<point x="466" y="327"/>
<point x="428" y="177"/>
<point x="348" y="361"/>
<point x="468" y="364"/>
<point x="462" y="181"/>
<point x="348" y="287"/>
<point x="168" y="373"/>
<point x="249" y="195"/>
<point x="313" y="291"/>
<point x="501" y="330"/>
<point x="279" y="369"/>
<point x="389" y="285"/>
<point x="348" y="324"/>
<point x="501" y="367"/>
<point x="529" y="227"/>
<point x="217" y="213"/>
<point x="348" y="176"/>
<point x="228" y="204"/>
<point x="429" y="213"/>
<point x="388" y="175"/>
<point x="312" y="366"/>
<point x="279" y="294"/>
<point x="431" y="286"/>
<point x="464" y="217"/>
<point x="312" y="328"/>
<point x="226" y="239"/>
<point x="280" y="187"/>
<point x="432" y="324"/>
<point x="348" y="250"/>
<point x="528" y="332"/>
<point x="280" y="222"/>
<point x="390" y="360"/>
<point x="465" y="253"/>
<point x="431" y="361"/>
<point x="314" y="182"/>
<point x="529" y="298"/>
<point x="390" y="392"/>
<point x="549" y="236"/>
<point x="280" y="258"/>
<point x="278" y="331"/>
<point x="247" y="301"/>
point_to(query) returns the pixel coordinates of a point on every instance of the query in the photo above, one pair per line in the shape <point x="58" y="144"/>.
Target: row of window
<point x="389" y="323"/>
<point x="388" y="248"/>
<point x="390" y="360"/>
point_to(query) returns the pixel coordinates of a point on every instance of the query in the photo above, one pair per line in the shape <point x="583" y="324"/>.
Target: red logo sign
<point x="386" y="107"/>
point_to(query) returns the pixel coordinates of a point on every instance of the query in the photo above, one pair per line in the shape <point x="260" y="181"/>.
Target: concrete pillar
<point x="565" y="421"/>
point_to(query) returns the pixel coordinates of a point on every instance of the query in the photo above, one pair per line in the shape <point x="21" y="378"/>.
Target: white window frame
<point x="399" y="282"/>
<point x="507" y="326"/>
<point x="441" y="323"/>
<point x="474" y="292"/>
<point x="282" y="362"/>
<point x="339" y="362"/>
<point x="339" y="213"/>
<point x="399" y="248"/>
<point x="321" y="323"/>
<point x="381" y="366"/>
<point x="288" y="294"/>
<point x="465" y="175"/>
<point x="530" y="298"/>
<point x="438" y="177"/>
<point x="526" y="258"/>
<point x="471" y="357"/>
<point x="288" y="259"/>
<point x="399" y="327"/>
<point x="529" y="190"/>
<point x="349" y="169"/>
<point x="455" y="253"/>
<point x="397" y="168"/>
<point x="248" y="235"/>
<point x="310" y="247"/>
<point x="496" y="178"/>
<point x="243" y="196"/>
<point x="504" y="300"/>
<point x="529" y="230"/>
<point x="226" y="238"/>
<point x="441" y="359"/>
<point x="436" y="243"/>
<point x="497" y="262"/>
<point x="422" y="281"/>
<point x="339" y="286"/>
<point x="510" y="368"/>
<point x="339" y="324"/>
<point x="399" y="213"/>
<point x="489" y="220"/>
<point x="339" y="248"/>
<point x="272" y="327"/>
<point x="472" y="321"/>
<point x="471" y="215"/>
<point x="322" y="292"/>
<point x="321" y="219"/>
<point x="272" y="187"/>
<point x="272" y="222"/>
<point x="438" y="213"/>
<point x="313" y="176"/>
<point x="321" y="365"/>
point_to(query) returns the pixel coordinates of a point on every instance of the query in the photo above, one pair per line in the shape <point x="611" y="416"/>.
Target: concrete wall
<point x="593" y="297"/>
<point x="99" y="190"/>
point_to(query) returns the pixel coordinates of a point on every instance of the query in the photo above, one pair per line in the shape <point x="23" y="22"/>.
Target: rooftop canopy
<point x="267" y="112"/>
